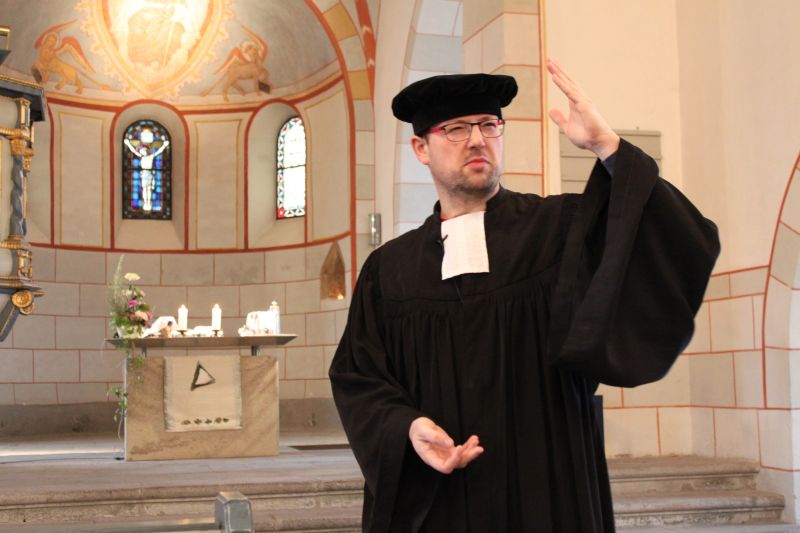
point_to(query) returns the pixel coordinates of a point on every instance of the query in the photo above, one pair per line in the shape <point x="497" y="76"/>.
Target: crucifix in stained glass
<point x="146" y="172"/>
<point x="291" y="187"/>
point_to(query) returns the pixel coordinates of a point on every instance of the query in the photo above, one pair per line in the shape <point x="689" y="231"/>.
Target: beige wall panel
<point x="737" y="433"/>
<point x="675" y="430"/>
<point x="783" y="378"/>
<point x="749" y="281"/>
<point x="749" y="380"/>
<point x="782" y="327"/>
<point x="612" y="396"/>
<point x="477" y="13"/>
<point x="631" y="432"/>
<point x="712" y="380"/>
<point x="523" y="146"/>
<point x="218" y="179"/>
<point x="328" y="195"/>
<point x="732" y="326"/>
<point x="718" y="287"/>
<point x="525" y="183"/>
<point x="81" y="172"/>
<point x="511" y="39"/>
<point x="778" y="430"/>
<point x="670" y="390"/>
<point x="701" y="340"/>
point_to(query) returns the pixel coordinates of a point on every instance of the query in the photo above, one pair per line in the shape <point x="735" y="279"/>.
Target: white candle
<point x="216" y="318"/>
<point x="183" y="318"/>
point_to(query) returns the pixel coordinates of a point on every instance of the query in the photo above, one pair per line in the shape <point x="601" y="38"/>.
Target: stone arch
<point x="781" y="363"/>
<point x="433" y="26"/>
<point x="349" y="26"/>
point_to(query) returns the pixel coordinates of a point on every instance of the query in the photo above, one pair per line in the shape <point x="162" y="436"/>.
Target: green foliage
<point x="130" y="316"/>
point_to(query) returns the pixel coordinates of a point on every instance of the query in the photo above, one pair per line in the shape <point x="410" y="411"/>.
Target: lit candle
<point x="183" y="318"/>
<point x="216" y="318"/>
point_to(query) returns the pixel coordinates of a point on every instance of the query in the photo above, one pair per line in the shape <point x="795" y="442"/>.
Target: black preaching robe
<point x="600" y="287"/>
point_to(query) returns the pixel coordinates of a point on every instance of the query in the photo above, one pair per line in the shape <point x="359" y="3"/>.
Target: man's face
<point x="469" y="168"/>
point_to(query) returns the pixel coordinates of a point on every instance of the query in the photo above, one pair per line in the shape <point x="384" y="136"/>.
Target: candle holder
<point x="182" y="332"/>
<point x="217" y="332"/>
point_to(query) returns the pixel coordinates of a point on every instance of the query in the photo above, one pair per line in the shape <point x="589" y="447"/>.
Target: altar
<point x="192" y="402"/>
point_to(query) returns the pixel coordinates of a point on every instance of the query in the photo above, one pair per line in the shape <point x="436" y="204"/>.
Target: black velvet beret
<point x="433" y="100"/>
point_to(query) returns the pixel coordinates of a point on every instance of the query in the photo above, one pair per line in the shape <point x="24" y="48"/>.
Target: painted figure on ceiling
<point x="52" y="47"/>
<point x="155" y="36"/>
<point x="245" y="62"/>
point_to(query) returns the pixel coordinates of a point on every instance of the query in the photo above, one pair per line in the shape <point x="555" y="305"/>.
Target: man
<point x="474" y="344"/>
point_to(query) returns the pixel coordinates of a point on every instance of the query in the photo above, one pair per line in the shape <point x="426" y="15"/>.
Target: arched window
<point x="292" y="169"/>
<point x="146" y="171"/>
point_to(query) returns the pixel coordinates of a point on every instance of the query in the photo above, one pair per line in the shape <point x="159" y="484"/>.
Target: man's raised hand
<point x="437" y="449"/>
<point x="585" y="127"/>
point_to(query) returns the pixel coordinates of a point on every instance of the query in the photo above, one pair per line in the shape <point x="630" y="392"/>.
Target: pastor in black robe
<point x="600" y="287"/>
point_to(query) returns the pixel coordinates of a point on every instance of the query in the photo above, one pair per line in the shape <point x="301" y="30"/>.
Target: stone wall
<point x="59" y="356"/>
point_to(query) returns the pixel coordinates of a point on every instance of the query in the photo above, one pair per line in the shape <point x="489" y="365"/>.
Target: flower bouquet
<point x="130" y="314"/>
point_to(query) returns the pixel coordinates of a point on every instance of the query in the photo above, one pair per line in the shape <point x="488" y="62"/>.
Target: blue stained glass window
<point x="291" y="183"/>
<point x="146" y="171"/>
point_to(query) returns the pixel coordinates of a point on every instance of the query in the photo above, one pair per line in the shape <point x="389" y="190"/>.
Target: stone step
<point x="87" y="505"/>
<point x="341" y="520"/>
<point x="327" y="520"/>
<point x="644" y="475"/>
<point x="319" y="491"/>
<point x="698" y="507"/>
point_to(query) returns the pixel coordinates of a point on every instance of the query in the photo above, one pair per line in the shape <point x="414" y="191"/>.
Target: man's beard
<point x="469" y="187"/>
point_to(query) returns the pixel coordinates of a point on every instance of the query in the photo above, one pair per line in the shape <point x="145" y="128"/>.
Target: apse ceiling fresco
<point x="187" y="50"/>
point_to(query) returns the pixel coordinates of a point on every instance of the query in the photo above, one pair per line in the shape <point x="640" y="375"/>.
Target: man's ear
<point x="420" y="147"/>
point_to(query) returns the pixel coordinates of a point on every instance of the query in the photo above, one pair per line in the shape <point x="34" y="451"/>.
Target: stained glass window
<point x="146" y="171"/>
<point x="292" y="169"/>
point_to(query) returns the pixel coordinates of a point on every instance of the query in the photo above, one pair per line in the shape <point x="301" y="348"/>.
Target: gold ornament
<point x="24" y="301"/>
<point x="18" y="146"/>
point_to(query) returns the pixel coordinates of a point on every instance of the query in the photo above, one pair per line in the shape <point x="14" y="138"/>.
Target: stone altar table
<point x="146" y="430"/>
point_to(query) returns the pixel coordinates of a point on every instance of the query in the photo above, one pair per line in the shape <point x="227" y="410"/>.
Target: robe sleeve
<point x="376" y="411"/>
<point x="637" y="258"/>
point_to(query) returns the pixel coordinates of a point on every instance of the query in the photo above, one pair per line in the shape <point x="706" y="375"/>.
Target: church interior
<point x="236" y="154"/>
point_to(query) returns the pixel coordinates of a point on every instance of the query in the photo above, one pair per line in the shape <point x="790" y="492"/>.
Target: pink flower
<point x="132" y="304"/>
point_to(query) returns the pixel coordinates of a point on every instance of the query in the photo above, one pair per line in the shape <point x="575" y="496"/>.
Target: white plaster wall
<point x="217" y="192"/>
<point x="624" y="55"/>
<point x="328" y="166"/>
<point x="59" y="355"/>
<point x="740" y="113"/>
<point x="392" y="40"/>
<point x="80" y="175"/>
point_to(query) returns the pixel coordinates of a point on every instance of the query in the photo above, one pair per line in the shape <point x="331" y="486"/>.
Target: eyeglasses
<point x="461" y="131"/>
